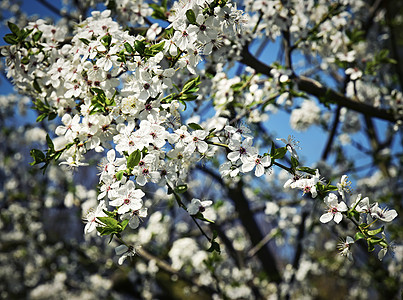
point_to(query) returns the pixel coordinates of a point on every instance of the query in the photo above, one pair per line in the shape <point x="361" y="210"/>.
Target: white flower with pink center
<point x="128" y="198"/>
<point x="335" y="209"/>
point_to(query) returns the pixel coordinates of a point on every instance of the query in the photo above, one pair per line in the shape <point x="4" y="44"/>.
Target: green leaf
<point x="50" y="143"/>
<point x="154" y="49"/>
<point x="14" y="28"/>
<point x="106" y="230"/>
<point x="190" y="15"/>
<point x="119" y="175"/>
<point x="181" y="188"/>
<point x="294" y="162"/>
<point x="375" y="239"/>
<point x="214" y="247"/>
<point x="383" y="244"/>
<point x="354" y="214"/>
<point x="109" y="213"/>
<point x="25" y="60"/>
<point x="375" y="231"/>
<point x="106" y="40"/>
<point x="159" y="12"/>
<point x="329" y="188"/>
<point x="187" y="97"/>
<point x="85" y="41"/>
<point x="97" y="91"/>
<point x="123" y="224"/>
<point x="11" y="39"/>
<point x="52" y="116"/>
<point x="133" y="159"/>
<point x="37" y="36"/>
<point x="273" y="149"/>
<point x="236" y="87"/>
<point x="41" y="117"/>
<point x="109" y="222"/>
<point x="370" y="246"/>
<point x="57" y="155"/>
<point x="38" y="156"/>
<point x="36" y="86"/>
<point x="111" y="102"/>
<point x="24" y="33"/>
<point x="307" y="170"/>
<point x="195" y="126"/>
<point x="110" y="239"/>
<point x="128" y="47"/>
<point x="191" y="84"/>
<point x="358" y="236"/>
<point x="279" y="153"/>
<point x="140" y="47"/>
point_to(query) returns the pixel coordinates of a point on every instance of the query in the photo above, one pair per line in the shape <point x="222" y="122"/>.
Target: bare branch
<point x="315" y="88"/>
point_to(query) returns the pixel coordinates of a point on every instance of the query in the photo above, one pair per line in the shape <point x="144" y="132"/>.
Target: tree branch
<point x="316" y="89"/>
<point x="167" y="268"/>
<point x="57" y="11"/>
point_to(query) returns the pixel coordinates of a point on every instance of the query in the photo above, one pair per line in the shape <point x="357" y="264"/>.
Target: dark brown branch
<point x="246" y="216"/>
<point x="287" y="49"/>
<point x="167" y="268"/>
<point x="57" y="11"/>
<point x="316" y="89"/>
<point x="332" y="134"/>
<point x="248" y="221"/>
<point x="299" y="248"/>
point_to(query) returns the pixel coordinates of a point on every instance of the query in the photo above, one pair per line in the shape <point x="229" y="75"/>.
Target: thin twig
<point x="263" y="242"/>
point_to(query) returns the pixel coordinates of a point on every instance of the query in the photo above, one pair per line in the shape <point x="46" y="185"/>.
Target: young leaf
<point x="358" y="236"/>
<point x="191" y="84"/>
<point x="85" y="41"/>
<point x="123" y="224"/>
<point x="106" y="40"/>
<point x="128" y="47"/>
<point x="119" y="175"/>
<point x="37" y="36"/>
<point x="307" y="170"/>
<point x="294" y="162"/>
<point x="181" y="188"/>
<point x="190" y="15"/>
<point x="36" y="86"/>
<point x="41" y="117"/>
<point x="214" y="247"/>
<point x="133" y="159"/>
<point x="38" y="156"/>
<point x="279" y="153"/>
<point x="195" y="126"/>
<point x="375" y="231"/>
<point x="109" y="222"/>
<point x="11" y="39"/>
<point x="140" y="47"/>
<point x="50" y="143"/>
<point x="14" y="28"/>
<point x="109" y="213"/>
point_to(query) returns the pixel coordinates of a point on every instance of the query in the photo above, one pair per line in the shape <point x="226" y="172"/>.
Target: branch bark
<point x="315" y="88"/>
<point x="246" y="216"/>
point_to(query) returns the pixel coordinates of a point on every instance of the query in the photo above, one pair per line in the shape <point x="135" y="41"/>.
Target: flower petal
<point x="338" y="217"/>
<point x="327" y="217"/>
